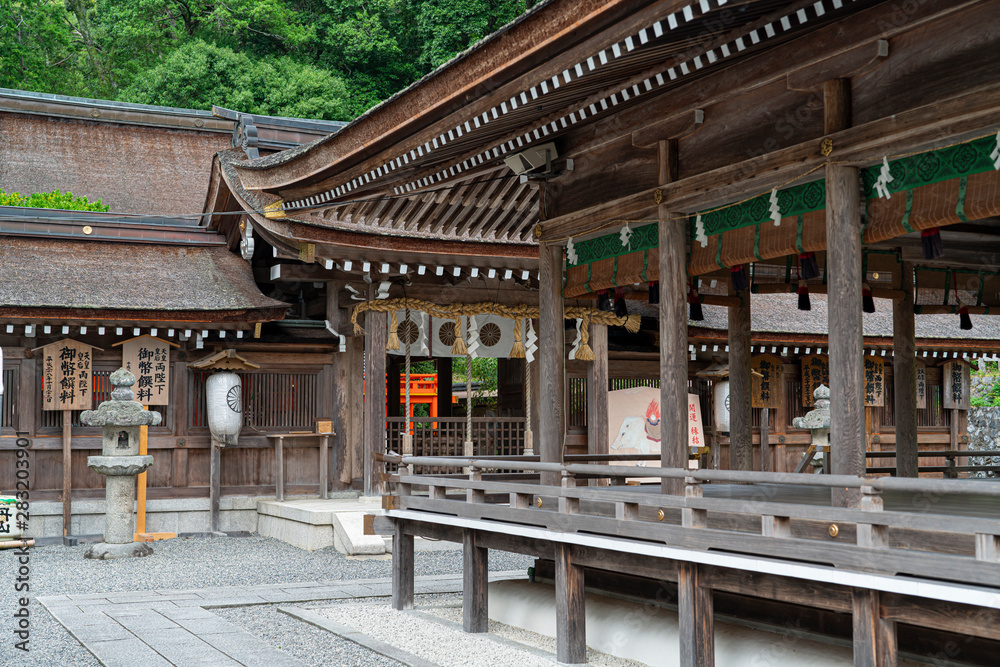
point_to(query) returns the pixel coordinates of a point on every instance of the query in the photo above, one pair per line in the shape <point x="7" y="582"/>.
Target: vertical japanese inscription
<point x="66" y="376"/>
<point x="874" y="381"/>
<point x="815" y="371"/>
<point x="148" y="358"/>
<point x="765" y="370"/>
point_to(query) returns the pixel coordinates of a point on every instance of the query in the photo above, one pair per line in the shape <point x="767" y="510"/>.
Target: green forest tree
<point x="329" y="59"/>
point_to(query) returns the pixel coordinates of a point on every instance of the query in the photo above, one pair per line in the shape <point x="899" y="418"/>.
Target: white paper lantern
<point x="720" y="394"/>
<point x="225" y="407"/>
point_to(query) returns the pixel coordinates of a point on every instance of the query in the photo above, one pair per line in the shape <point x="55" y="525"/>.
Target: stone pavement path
<point x="175" y="627"/>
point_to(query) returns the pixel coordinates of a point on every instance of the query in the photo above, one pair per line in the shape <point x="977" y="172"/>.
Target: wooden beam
<point x="376" y="333"/>
<point x="551" y="349"/>
<point x="597" y="392"/>
<point x="669" y="128"/>
<point x="475" y="583"/>
<point x="571" y="611"/>
<point x="840" y="67"/>
<point x="943" y="123"/>
<point x="904" y="377"/>
<point x="836" y="105"/>
<point x="874" y="637"/>
<point x="846" y="341"/>
<point x="673" y="331"/>
<point x="740" y="386"/>
<point x="402" y="568"/>
<point x="695" y="617"/>
<point x="953" y="617"/>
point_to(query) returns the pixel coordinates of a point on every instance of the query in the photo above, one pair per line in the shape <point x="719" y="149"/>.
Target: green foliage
<point x="484" y="371"/>
<point x="60" y="200"/>
<point x="330" y="59"/>
<point x="199" y="74"/>
<point x="987" y="394"/>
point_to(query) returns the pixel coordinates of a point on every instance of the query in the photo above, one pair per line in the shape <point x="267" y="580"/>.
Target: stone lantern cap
<point x="122" y="409"/>
<point x="819" y="417"/>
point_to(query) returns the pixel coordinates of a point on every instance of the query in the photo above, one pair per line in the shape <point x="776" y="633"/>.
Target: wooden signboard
<point x="815" y="371"/>
<point x="921" y="385"/>
<point x="148" y="358"/>
<point x="67" y="376"/>
<point x="874" y="381"/>
<point x="696" y="432"/>
<point x="956" y="387"/>
<point x="765" y="377"/>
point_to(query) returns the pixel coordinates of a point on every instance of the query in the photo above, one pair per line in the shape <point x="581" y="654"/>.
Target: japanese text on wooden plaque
<point x="67" y="376"/>
<point x="148" y="359"/>
<point x="921" y="385"/>
<point x="765" y="375"/>
<point x="696" y="433"/>
<point x="815" y="371"/>
<point x="874" y="381"/>
<point x="955" y="392"/>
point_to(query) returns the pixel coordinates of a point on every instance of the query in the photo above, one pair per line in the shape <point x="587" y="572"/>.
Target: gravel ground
<point x="450" y="646"/>
<point x="183" y="563"/>
<point x="314" y="647"/>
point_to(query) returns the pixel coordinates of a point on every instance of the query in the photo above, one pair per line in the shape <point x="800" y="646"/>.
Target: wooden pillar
<point x="343" y="386"/>
<point x="673" y="328"/>
<point x="597" y="392"/>
<point x="740" y="385"/>
<point x="551" y="352"/>
<point x="536" y="404"/>
<point x="696" y="618"/>
<point x="571" y="610"/>
<point x="836" y="105"/>
<point x="843" y="240"/>
<point x="765" y="444"/>
<point x="875" y="642"/>
<point x="475" y="583"/>
<point x="67" y="486"/>
<point x="904" y="377"/>
<point x="376" y="333"/>
<point x="402" y="568"/>
<point x="215" y="485"/>
<point x="355" y="467"/>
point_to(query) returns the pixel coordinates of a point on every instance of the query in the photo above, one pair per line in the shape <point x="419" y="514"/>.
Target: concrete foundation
<point x="175" y="515"/>
<point x="650" y="634"/>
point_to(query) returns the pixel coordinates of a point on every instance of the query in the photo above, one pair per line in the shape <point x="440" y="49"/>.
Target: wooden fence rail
<point x="762" y="521"/>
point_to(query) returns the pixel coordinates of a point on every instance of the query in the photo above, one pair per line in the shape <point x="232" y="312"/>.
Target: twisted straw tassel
<point x="584" y="352"/>
<point x="517" y="351"/>
<point x="458" y="348"/>
<point x="392" y="343"/>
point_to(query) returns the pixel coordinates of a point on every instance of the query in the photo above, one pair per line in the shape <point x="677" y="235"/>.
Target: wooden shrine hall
<point x="682" y="153"/>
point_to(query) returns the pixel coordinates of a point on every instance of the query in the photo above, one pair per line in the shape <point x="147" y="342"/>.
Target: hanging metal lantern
<point x="225" y="407"/>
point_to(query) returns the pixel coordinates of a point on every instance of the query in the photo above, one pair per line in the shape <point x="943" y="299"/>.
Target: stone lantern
<point x="818" y="421"/>
<point x="120" y="462"/>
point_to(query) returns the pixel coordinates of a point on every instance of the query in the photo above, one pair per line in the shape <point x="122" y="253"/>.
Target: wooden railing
<point x="445" y="436"/>
<point x="951" y="469"/>
<point x="763" y="521"/>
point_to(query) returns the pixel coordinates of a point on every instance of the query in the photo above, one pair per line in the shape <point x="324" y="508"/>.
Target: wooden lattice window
<point x="271" y="401"/>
